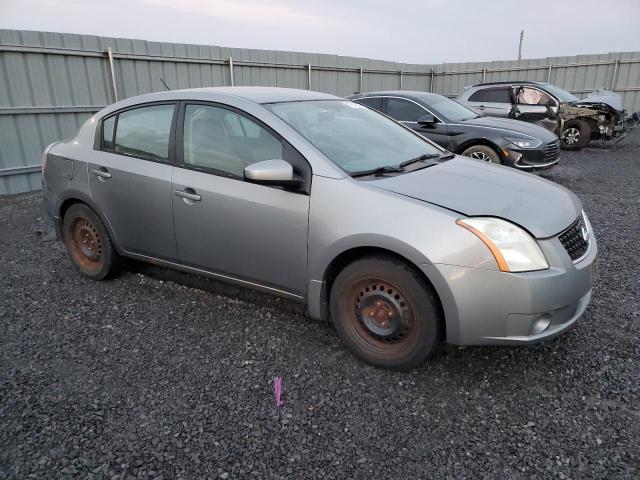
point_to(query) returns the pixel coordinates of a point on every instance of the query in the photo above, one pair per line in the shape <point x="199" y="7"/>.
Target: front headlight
<point x="513" y="248"/>
<point x="524" y="143"/>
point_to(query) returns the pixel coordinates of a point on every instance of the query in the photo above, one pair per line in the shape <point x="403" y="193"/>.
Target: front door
<point x="130" y="179"/>
<point x="534" y="105"/>
<point x="228" y="226"/>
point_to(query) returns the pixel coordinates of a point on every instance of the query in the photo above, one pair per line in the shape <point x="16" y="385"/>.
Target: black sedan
<point x="463" y="131"/>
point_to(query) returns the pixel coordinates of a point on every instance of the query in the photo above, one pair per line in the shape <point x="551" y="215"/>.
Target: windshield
<point x="352" y="136"/>
<point x="561" y="94"/>
<point x="450" y="110"/>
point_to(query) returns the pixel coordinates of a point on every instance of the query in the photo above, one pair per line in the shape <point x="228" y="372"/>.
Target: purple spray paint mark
<point x="277" y="392"/>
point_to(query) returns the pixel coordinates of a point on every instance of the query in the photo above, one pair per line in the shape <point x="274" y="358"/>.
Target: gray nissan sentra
<point x="319" y="199"/>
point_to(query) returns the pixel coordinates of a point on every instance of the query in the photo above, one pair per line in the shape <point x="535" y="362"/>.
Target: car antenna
<point x="165" y="85"/>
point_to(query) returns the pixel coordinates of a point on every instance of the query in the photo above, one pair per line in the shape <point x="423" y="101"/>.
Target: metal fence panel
<point x="50" y="83"/>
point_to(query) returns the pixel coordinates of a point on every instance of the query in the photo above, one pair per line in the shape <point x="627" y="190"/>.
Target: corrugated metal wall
<point x="50" y="83"/>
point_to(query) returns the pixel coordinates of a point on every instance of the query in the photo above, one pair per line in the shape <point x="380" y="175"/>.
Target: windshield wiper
<point x="447" y="155"/>
<point x="378" y="171"/>
<point x="421" y="158"/>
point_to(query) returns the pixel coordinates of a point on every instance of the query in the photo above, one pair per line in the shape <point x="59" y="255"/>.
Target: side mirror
<point x="273" y="172"/>
<point x="427" y="119"/>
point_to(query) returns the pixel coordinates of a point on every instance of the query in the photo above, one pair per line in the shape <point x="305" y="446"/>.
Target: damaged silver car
<point x="599" y="115"/>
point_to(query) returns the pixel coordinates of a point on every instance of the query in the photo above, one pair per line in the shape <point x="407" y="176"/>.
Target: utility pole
<point x="520" y="45"/>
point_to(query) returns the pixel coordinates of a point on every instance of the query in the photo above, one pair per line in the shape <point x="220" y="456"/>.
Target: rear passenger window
<point x="107" y="132"/>
<point x="144" y="132"/>
<point x="374" y="102"/>
<point x="222" y="140"/>
<point x="491" y="95"/>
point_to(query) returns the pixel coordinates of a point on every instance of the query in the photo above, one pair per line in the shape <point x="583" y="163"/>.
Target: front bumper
<point x="542" y="158"/>
<point x="489" y="307"/>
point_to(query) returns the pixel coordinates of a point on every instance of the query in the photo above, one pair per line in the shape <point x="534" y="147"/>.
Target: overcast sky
<point x="419" y="31"/>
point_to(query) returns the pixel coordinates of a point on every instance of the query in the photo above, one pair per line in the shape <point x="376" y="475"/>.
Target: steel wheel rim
<point x="480" y="156"/>
<point x="571" y="136"/>
<point x="381" y="318"/>
<point x="85" y="244"/>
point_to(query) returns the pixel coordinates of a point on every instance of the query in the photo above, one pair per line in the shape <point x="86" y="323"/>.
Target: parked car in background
<point x="460" y="130"/>
<point x="318" y="199"/>
<point x="576" y="121"/>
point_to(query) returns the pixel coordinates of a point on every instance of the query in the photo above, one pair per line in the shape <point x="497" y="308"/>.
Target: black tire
<point x="576" y="134"/>
<point x="385" y="312"/>
<point x="88" y="243"/>
<point x="482" y="152"/>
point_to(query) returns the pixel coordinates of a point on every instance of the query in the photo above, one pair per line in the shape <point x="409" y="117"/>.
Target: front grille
<point x="551" y="151"/>
<point x="573" y="239"/>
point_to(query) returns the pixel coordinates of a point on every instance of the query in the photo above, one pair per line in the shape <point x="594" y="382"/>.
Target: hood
<point x="475" y="188"/>
<point x="599" y="97"/>
<point x="512" y="128"/>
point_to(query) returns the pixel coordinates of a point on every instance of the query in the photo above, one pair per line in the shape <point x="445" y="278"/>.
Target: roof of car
<point x="266" y="94"/>
<point x="526" y="82"/>
<point x="412" y="94"/>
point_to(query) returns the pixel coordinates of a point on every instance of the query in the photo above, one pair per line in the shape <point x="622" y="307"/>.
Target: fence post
<point x="431" y="82"/>
<point x="113" y="74"/>
<point x="484" y="74"/>
<point x="400" y="79"/>
<point x="360" y="90"/>
<point x="614" y="78"/>
<point x="231" y="71"/>
<point x="309" y="75"/>
<point x="549" y="73"/>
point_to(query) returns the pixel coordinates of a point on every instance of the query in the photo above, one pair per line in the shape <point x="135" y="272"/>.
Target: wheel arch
<point x="73" y="197"/>
<point x="347" y="256"/>
<point x="479" y="141"/>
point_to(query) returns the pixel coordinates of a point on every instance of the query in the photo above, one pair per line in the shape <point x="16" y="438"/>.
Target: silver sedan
<point x="309" y="196"/>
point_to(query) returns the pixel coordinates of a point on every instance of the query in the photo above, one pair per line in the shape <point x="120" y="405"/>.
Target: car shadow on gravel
<point x="447" y="355"/>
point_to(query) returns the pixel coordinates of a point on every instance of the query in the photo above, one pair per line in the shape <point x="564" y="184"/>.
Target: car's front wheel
<point x="482" y="152"/>
<point x="575" y="135"/>
<point x="385" y="312"/>
<point x="88" y="243"/>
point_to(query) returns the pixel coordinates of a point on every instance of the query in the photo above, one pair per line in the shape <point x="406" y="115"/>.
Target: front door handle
<point x="101" y="172"/>
<point x="188" y="194"/>
<point x="480" y="107"/>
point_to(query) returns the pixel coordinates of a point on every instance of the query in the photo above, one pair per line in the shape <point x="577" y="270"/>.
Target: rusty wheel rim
<point x="85" y="244"/>
<point x="381" y="318"/>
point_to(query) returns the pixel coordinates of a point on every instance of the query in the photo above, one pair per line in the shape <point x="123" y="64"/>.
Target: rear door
<point x="225" y="225"/>
<point x="408" y="113"/>
<point x="130" y="178"/>
<point x="491" y="101"/>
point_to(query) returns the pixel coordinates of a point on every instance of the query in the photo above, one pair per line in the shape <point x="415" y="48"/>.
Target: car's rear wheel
<point x="575" y="135"/>
<point x="385" y="312"/>
<point x="88" y="243"/>
<point x="482" y="152"/>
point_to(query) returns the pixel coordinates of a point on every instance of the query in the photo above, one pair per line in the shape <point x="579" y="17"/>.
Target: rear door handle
<point x="101" y="172"/>
<point x="188" y="194"/>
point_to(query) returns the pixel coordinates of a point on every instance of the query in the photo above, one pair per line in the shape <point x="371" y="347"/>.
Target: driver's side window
<point x="222" y="140"/>
<point x="532" y="96"/>
<point x="404" y="110"/>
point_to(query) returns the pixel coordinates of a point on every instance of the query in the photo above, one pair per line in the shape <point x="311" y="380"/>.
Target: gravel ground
<point x="146" y="376"/>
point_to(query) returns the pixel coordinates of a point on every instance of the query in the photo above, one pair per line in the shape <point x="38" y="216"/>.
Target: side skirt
<point x="218" y="276"/>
